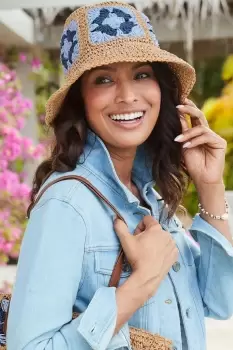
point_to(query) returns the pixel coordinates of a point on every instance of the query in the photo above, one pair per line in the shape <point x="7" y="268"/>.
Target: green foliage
<point x="209" y="82"/>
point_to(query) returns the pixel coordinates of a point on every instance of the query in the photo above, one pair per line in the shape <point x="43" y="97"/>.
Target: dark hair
<point x="70" y="129"/>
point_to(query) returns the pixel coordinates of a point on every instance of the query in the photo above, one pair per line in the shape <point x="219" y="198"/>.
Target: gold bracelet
<point x="212" y="216"/>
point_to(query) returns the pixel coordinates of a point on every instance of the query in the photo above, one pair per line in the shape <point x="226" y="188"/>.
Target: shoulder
<point x="61" y="187"/>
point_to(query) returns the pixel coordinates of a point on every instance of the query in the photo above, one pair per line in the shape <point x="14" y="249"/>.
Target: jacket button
<point x="176" y="266"/>
<point x="168" y="301"/>
<point x="188" y="313"/>
<point x="174" y="348"/>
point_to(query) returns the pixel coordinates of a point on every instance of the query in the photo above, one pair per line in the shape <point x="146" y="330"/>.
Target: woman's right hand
<point x="151" y="251"/>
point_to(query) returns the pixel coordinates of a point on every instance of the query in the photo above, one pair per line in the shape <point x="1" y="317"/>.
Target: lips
<point x="128" y="121"/>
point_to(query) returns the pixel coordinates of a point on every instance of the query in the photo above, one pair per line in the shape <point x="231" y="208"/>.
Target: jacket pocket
<point x="104" y="264"/>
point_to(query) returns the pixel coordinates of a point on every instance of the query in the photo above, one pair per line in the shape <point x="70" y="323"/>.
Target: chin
<point x="128" y="142"/>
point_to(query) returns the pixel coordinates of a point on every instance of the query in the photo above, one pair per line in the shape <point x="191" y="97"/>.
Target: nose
<point x="125" y="93"/>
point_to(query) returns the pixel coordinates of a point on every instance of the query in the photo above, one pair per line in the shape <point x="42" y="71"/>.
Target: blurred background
<point x="199" y="31"/>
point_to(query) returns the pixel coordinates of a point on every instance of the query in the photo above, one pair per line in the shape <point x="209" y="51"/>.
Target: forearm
<point x="130" y="296"/>
<point x="212" y="199"/>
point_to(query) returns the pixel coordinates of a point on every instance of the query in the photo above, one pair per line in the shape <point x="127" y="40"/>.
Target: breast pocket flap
<point x="105" y="262"/>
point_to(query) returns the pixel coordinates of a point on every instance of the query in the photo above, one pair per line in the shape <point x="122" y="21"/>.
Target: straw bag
<point x="140" y="339"/>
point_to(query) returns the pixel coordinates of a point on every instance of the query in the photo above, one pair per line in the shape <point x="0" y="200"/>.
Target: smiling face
<point x="122" y="103"/>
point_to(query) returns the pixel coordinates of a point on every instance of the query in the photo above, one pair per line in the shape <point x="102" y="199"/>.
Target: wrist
<point x="138" y="288"/>
<point x="147" y="287"/>
<point x="130" y="296"/>
<point x="207" y="192"/>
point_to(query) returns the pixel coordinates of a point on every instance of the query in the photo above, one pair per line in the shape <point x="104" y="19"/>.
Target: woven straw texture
<point x="140" y="339"/>
<point x="91" y="40"/>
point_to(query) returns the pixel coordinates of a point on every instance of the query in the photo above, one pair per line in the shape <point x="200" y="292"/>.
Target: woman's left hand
<point x="204" y="150"/>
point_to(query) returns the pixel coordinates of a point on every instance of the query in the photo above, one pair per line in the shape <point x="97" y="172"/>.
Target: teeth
<point x="130" y="116"/>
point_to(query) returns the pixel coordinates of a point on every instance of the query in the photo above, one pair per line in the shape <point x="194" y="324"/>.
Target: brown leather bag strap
<point x="116" y="273"/>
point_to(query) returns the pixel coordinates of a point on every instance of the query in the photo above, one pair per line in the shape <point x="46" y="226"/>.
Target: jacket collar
<point x="97" y="160"/>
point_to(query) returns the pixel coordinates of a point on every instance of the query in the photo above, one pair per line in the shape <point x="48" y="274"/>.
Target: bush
<point x="15" y="150"/>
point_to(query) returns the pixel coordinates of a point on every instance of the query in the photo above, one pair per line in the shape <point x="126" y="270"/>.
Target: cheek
<point x="153" y="96"/>
<point x="95" y="103"/>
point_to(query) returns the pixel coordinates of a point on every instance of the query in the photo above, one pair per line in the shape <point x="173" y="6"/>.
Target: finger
<point x="211" y="141"/>
<point x="197" y="116"/>
<point x="184" y="124"/>
<point x="194" y="121"/>
<point x="149" y="221"/>
<point x="189" y="102"/>
<point x="140" y="228"/>
<point x="190" y="133"/>
<point x="122" y="231"/>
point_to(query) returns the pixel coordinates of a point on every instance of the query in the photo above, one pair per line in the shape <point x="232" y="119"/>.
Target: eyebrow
<point x="111" y="69"/>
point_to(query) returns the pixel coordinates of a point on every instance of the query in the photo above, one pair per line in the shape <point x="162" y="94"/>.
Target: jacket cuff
<point x="201" y="227"/>
<point x="98" y="322"/>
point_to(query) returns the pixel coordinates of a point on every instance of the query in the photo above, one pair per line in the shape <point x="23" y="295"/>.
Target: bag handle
<point x="116" y="273"/>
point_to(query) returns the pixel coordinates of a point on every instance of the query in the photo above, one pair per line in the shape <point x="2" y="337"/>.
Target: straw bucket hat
<point x="107" y="33"/>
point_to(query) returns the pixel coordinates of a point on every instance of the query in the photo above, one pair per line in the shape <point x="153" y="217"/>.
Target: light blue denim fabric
<point x="68" y="253"/>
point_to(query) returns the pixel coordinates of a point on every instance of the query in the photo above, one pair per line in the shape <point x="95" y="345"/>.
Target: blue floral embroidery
<point x="69" y="45"/>
<point x="151" y="30"/>
<point x="109" y="23"/>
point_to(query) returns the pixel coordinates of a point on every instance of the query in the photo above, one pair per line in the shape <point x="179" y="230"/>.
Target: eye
<point x="102" y="80"/>
<point x="143" y="75"/>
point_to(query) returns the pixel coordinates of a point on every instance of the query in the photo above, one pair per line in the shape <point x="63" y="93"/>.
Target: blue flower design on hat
<point x="69" y="45"/>
<point x="151" y="30"/>
<point x="110" y="23"/>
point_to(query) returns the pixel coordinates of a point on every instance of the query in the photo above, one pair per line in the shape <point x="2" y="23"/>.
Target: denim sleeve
<point x="215" y="269"/>
<point x="48" y="277"/>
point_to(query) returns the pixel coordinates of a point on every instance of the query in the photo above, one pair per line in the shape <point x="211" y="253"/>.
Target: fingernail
<point x="179" y="137"/>
<point x="179" y="106"/>
<point x="186" y="145"/>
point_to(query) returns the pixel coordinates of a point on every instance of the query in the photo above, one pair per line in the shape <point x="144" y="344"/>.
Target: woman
<point x="119" y="121"/>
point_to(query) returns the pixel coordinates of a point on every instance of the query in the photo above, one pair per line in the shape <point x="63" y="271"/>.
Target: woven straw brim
<point x="121" y="51"/>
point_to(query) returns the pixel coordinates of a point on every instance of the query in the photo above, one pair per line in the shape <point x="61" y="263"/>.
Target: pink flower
<point x="23" y="191"/>
<point x="12" y="153"/>
<point x="20" y="123"/>
<point x="28" y="104"/>
<point x="3" y="164"/>
<point x="16" y="232"/>
<point x="26" y="144"/>
<point x="6" y="247"/>
<point x="7" y="77"/>
<point x="4" y="215"/>
<point x="36" y="64"/>
<point x="38" y="151"/>
<point x="22" y="57"/>
<point x="9" y="181"/>
<point x="3" y="116"/>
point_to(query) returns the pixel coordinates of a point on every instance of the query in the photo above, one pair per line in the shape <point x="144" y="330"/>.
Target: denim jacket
<point x="68" y="253"/>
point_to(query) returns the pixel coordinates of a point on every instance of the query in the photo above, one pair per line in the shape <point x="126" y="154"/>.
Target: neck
<point x="123" y="163"/>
